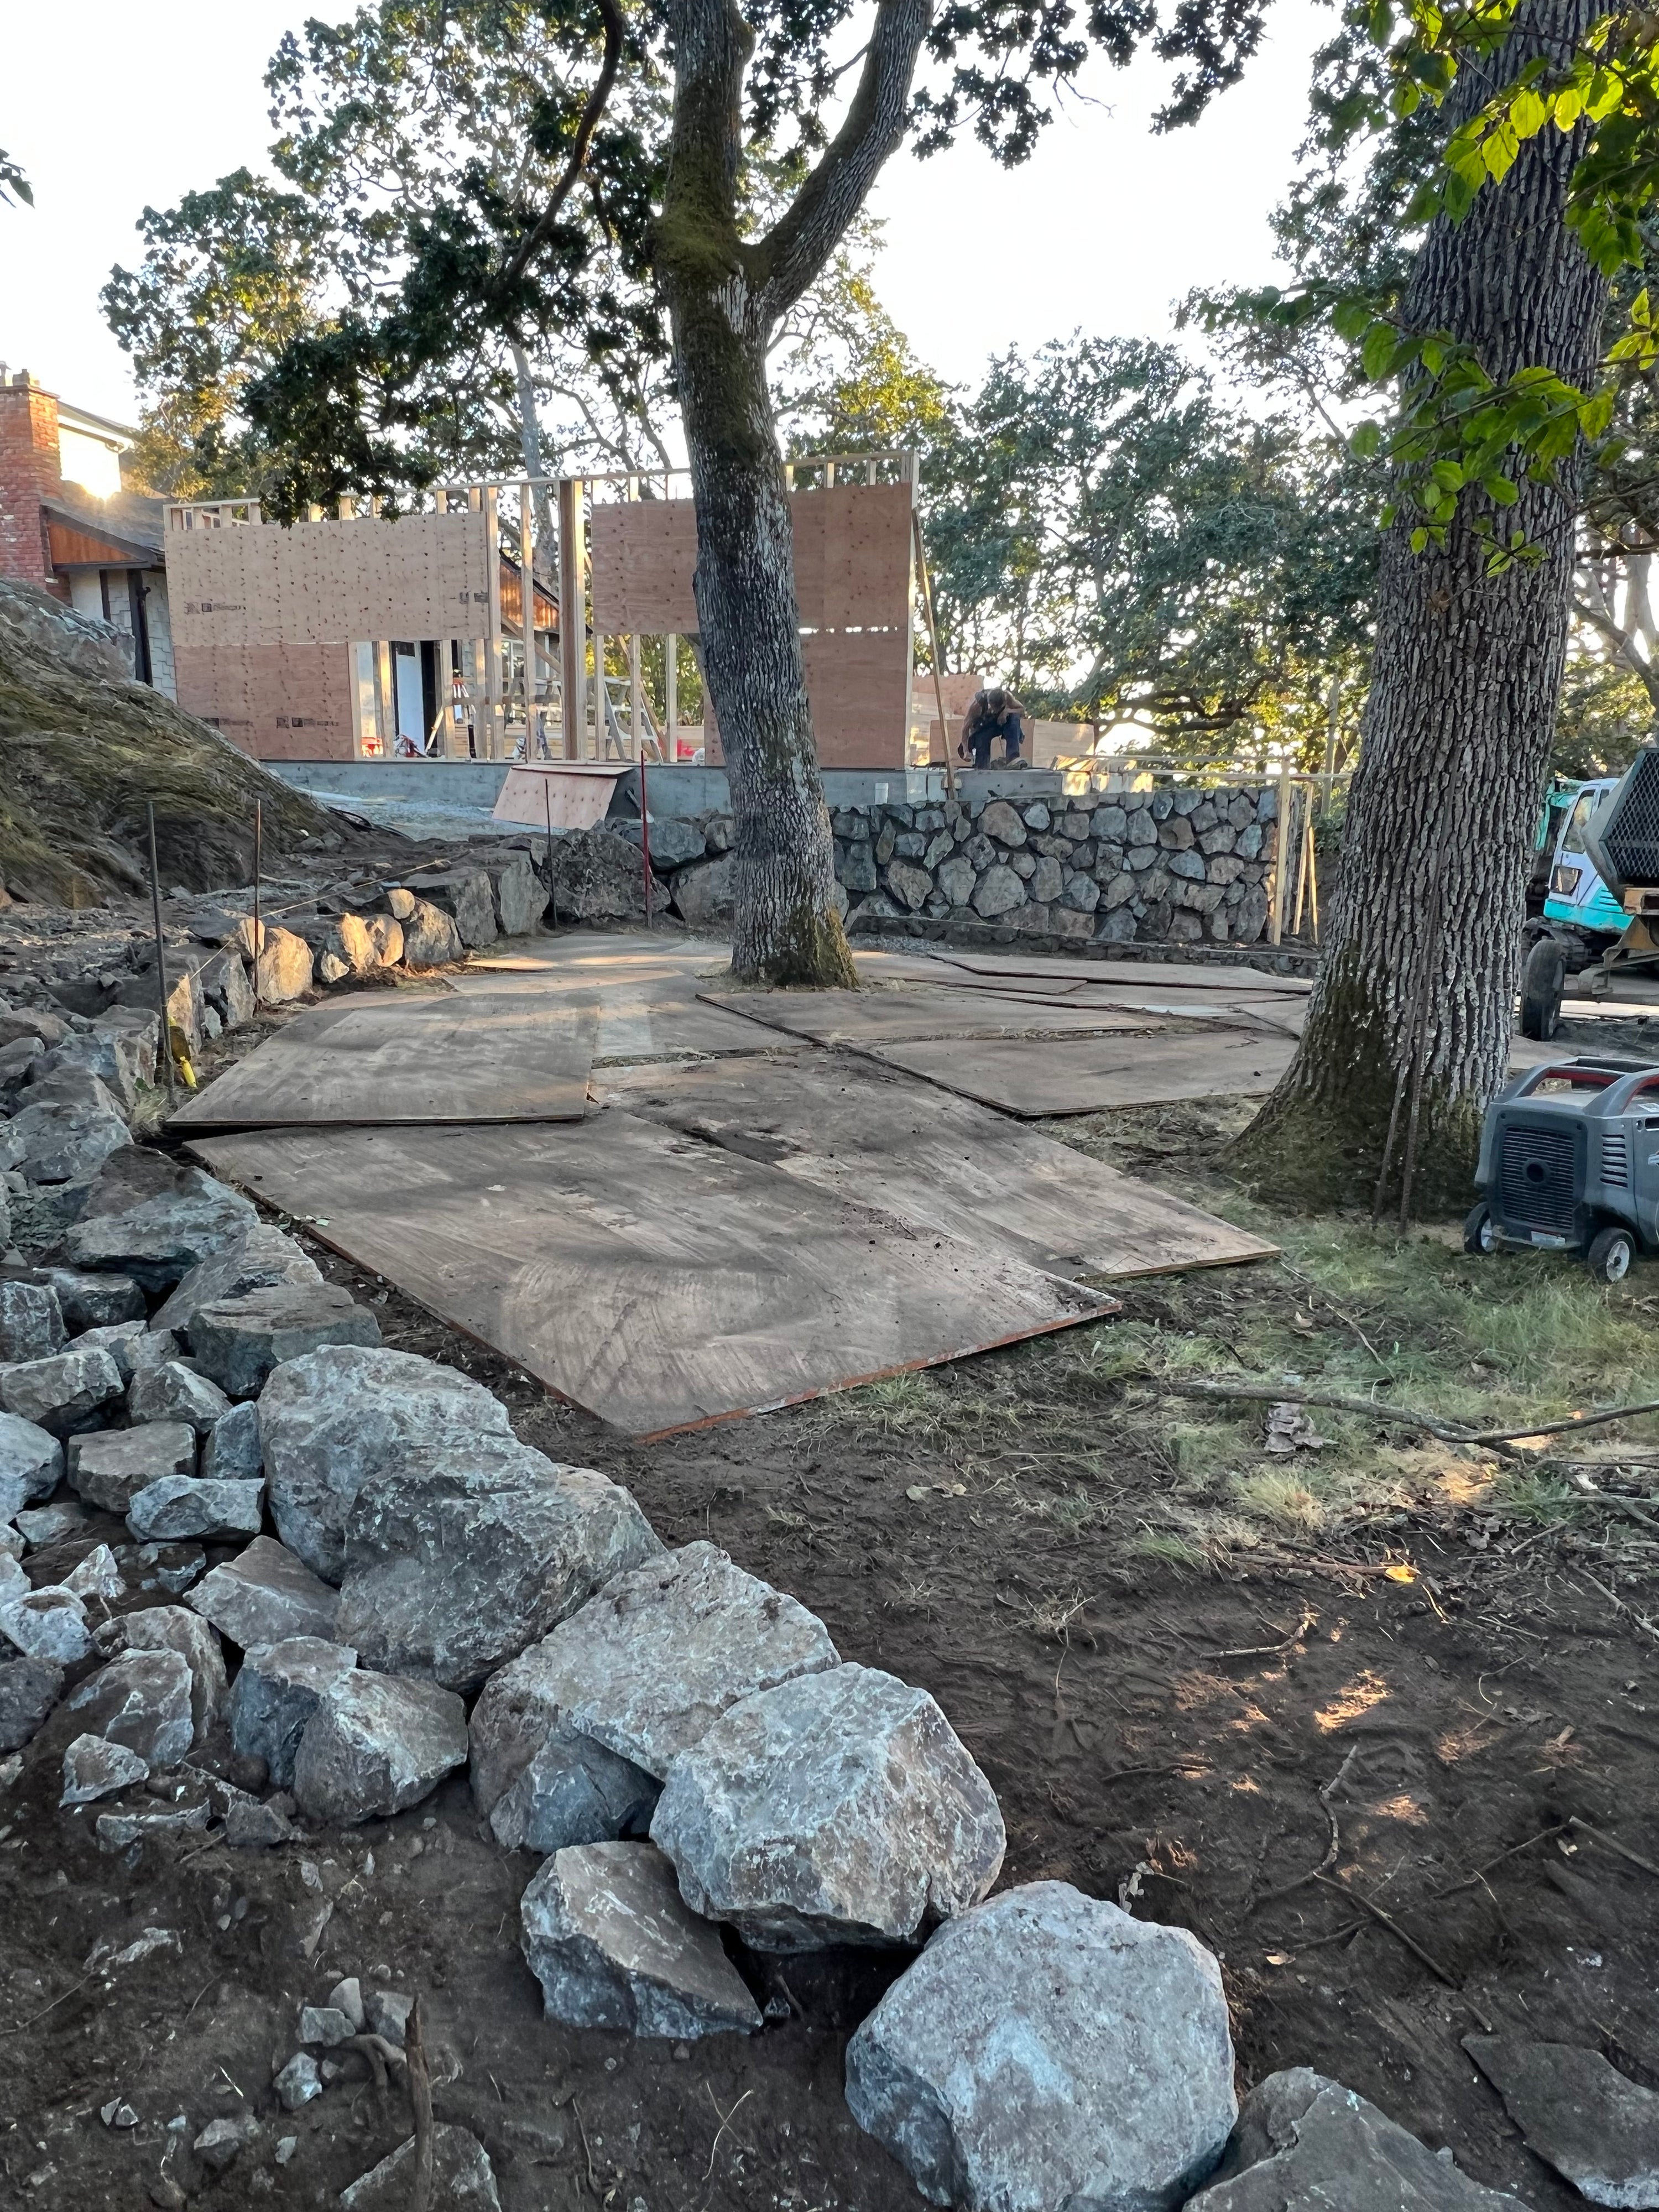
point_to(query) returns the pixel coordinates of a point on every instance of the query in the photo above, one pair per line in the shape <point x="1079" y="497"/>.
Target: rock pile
<point x="331" y="1550"/>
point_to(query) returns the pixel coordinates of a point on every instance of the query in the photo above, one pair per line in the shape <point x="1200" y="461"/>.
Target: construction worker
<point x="992" y="713"/>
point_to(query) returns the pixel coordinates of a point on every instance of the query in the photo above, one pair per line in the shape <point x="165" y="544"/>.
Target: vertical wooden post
<point x="527" y="614"/>
<point x="1281" y="853"/>
<point x="160" y="954"/>
<point x="671" y="698"/>
<point x="494" y="705"/>
<point x="932" y="647"/>
<point x="572" y="615"/>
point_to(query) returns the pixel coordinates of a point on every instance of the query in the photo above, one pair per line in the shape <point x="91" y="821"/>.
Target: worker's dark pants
<point x="981" y="740"/>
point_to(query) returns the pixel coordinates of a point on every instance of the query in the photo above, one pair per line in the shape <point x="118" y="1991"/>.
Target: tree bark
<point x="725" y="295"/>
<point x="1430" y="898"/>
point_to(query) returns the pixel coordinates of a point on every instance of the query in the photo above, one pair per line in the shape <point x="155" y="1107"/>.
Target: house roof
<point x="126" y="530"/>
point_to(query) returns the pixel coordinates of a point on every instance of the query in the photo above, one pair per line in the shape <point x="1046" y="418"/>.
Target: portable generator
<point x="1569" y="1163"/>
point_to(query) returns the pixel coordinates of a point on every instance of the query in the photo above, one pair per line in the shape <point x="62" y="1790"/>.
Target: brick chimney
<point x="28" y="474"/>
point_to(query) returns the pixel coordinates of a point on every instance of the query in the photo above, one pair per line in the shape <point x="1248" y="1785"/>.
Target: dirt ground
<point x="1230" y="1694"/>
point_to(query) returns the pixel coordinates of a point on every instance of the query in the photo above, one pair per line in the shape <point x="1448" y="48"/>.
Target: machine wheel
<point x="1542" y="981"/>
<point x="1481" y="1230"/>
<point x="1610" y="1254"/>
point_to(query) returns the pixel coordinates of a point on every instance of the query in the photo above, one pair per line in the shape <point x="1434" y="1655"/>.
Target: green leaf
<point x="1528" y="114"/>
<point x="1351" y="318"/>
<point x="1501" y="489"/>
<point x="1420" y="540"/>
<point x="1376" y="350"/>
<point x="1367" y="439"/>
<point x="1569" y="106"/>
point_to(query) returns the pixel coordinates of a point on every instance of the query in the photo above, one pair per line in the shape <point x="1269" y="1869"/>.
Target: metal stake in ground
<point x="547" y="808"/>
<point x="160" y="960"/>
<point x="259" y="841"/>
<point x="645" y="838"/>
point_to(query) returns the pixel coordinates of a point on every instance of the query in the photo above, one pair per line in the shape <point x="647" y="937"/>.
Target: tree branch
<point x="795" y="250"/>
<point x="531" y="244"/>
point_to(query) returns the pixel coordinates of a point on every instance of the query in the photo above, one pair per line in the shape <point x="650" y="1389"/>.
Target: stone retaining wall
<point x="1171" y="865"/>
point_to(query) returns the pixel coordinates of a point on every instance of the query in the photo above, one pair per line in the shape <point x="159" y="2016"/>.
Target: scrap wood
<point x="1611" y="1844"/>
<point x="1424" y="1957"/>
<point x="1247" y="1387"/>
<point x="420" y="2098"/>
<point x="1268" y="1650"/>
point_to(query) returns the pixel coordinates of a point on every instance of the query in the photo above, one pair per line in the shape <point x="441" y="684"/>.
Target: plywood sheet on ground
<point x="394" y="1058"/>
<point x="868" y="1017"/>
<point x="850" y="1127"/>
<point x="645" y="1010"/>
<point x="660" y="1282"/>
<point x="1087" y="1074"/>
<point x="1172" y="974"/>
<point x="1244" y="1010"/>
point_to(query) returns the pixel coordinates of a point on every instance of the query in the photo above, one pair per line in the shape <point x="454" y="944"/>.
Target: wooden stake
<point x="160" y="959"/>
<point x="258" y="837"/>
<point x="933" y="648"/>
<point x="420" y="2098"/>
<point x="1281" y="832"/>
<point x="645" y="835"/>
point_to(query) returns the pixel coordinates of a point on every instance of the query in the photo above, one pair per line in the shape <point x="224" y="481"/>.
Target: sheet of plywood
<point x="1173" y="974"/>
<point x="647" y="1009"/>
<point x="871" y="1016"/>
<point x="660" y="1282"/>
<point x="392" y="1058"/>
<point x="558" y="794"/>
<point x="279" y="702"/>
<point x="863" y="1132"/>
<point x="1086" y="1074"/>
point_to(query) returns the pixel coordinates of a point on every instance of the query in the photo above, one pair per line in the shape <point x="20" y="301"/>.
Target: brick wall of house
<point x="28" y="474"/>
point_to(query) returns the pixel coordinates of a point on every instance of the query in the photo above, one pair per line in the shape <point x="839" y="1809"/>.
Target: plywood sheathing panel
<point x="873" y="1016"/>
<point x="390" y="1058"/>
<point x="847" y="1125"/>
<point x="660" y="1282"/>
<point x="418" y="576"/>
<point x="278" y="701"/>
<point x="1087" y="1074"/>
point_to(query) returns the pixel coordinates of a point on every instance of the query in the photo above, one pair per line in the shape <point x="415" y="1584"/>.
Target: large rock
<point x="350" y="945"/>
<point x="1047" y="2052"/>
<point x="226" y="988"/>
<point x="238" y="1340"/>
<point x="1306" y="2144"/>
<point x="47" y="1624"/>
<point x="254" y="1260"/>
<point x="469" y="1552"/>
<point x="575" y="1731"/>
<point x="56" y="1143"/>
<point x="30" y="1464"/>
<point x="95" y="1301"/>
<point x="998" y="891"/>
<point x="111" y="1466"/>
<point x="94" y="1769"/>
<point x="31" y="1322"/>
<point x="386" y="934"/>
<point x="703" y="894"/>
<point x="231" y="1450"/>
<point x="265" y="1594"/>
<point x="596" y="877"/>
<point x="73" y="1391"/>
<point x="127" y="1342"/>
<point x="185" y="1005"/>
<point x="1596" y="2127"/>
<point x="119" y="1049"/>
<point x="339" y="1418"/>
<point x="170" y="1391"/>
<point x="466" y="896"/>
<point x="430" y="937"/>
<point x="609" y="1937"/>
<point x="148" y="1217"/>
<point x="141" y="1699"/>
<point x="673" y="840"/>
<point x="176" y="1628"/>
<point x="283" y="972"/>
<point x="465" y="2179"/>
<point x="183" y="1505"/>
<point x="29" y="1688"/>
<point x="839" y="1807"/>
<point x="376" y="1745"/>
<point x="520" y="894"/>
<point x="279" y="1687"/>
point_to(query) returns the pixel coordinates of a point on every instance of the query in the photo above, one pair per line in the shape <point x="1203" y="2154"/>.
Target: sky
<point x="1104" y="230"/>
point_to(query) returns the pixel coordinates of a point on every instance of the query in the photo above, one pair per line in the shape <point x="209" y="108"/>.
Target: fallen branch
<point x="1424" y="1957"/>
<point x="1267" y="1650"/>
<point x="1451" y="1432"/>
<point x="420" y="2098"/>
<point x="1610" y="1843"/>
<point x="1316" y="1874"/>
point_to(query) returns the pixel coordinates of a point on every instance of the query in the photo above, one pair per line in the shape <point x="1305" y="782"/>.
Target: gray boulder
<point x="1596" y="2127"/>
<point x="350" y="947"/>
<point x="256" y="1259"/>
<point x="111" y="1465"/>
<point x="119" y="1049"/>
<point x="141" y="1699"/>
<point x="44" y="1524"/>
<point x="1303" y="2144"/>
<point x="520" y="895"/>
<point x="230" y="1450"/>
<point x="47" y="1624"/>
<point x="376" y="1745"/>
<point x="95" y="1301"/>
<point x="579" y="1727"/>
<point x="465" y="2179"/>
<point x="430" y="937"/>
<point x="386" y="934"/>
<point x="346" y="1415"/>
<point x="673" y="840"/>
<point x="29" y="1688"/>
<point x="283" y="972"/>
<point x="126" y="1342"/>
<point x="1047" y="2052"/>
<point x="238" y="1340"/>
<point x="31" y="1322"/>
<point x="703" y="894"/>
<point x="170" y="1391"/>
<point x="265" y="1594"/>
<point x="468" y="1553"/>
<point x="148" y="1217"/>
<point x="65" y="1395"/>
<point x="30" y="1464"/>
<point x="596" y="877"/>
<point x="609" y="1937"/>
<point x="466" y="896"/>
<point x="226" y="988"/>
<point x="94" y="1768"/>
<point x="183" y="1505"/>
<point x="278" y="1689"/>
<point x="56" y="1143"/>
<point x="839" y="1807"/>
<point x="176" y="1628"/>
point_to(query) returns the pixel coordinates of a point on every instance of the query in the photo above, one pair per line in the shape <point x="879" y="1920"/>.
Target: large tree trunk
<point x="1424" y="938"/>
